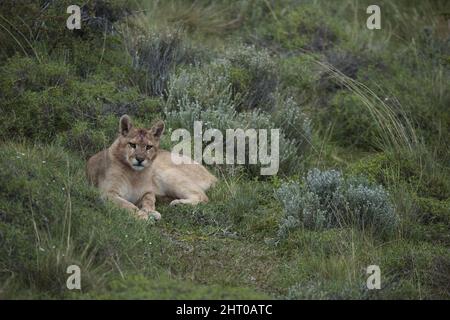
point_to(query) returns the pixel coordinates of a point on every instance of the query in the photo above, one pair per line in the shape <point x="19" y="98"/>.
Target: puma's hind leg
<point x="192" y="197"/>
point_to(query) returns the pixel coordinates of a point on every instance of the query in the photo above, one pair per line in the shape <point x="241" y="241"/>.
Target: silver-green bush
<point x="326" y="200"/>
<point x="204" y="93"/>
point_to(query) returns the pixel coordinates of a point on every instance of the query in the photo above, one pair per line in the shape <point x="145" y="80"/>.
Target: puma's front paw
<point x="145" y="214"/>
<point x="142" y="215"/>
<point x="156" y="215"/>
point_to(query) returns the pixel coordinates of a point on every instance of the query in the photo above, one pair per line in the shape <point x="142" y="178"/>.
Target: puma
<point x="134" y="171"/>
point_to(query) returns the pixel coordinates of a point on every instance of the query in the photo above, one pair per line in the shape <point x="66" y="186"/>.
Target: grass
<point x="309" y="68"/>
<point x="224" y="243"/>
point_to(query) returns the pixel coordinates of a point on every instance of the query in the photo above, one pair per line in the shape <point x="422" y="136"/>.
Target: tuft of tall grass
<point x="155" y="56"/>
<point x="201" y="17"/>
<point x="394" y="127"/>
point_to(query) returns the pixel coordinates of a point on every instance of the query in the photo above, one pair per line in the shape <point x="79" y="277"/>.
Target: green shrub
<point x="87" y="140"/>
<point x="254" y="78"/>
<point x="352" y="127"/>
<point x="417" y="90"/>
<point x="420" y="170"/>
<point x="41" y="100"/>
<point x="42" y="25"/>
<point x="434" y="211"/>
<point x="302" y="26"/>
<point x="429" y="220"/>
<point x="299" y="76"/>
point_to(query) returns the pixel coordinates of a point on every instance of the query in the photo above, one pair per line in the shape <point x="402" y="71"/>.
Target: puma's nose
<point x="140" y="159"/>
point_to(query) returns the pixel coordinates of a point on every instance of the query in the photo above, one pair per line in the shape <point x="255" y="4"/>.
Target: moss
<point x="353" y="125"/>
<point x="427" y="220"/>
<point x="303" y="27"/>
<point x="437" y="233"/>
<point x="434" y="211"/>
<point x="419" y="171"/>
<point x="27" y="74"/>
<point x="240" y="79"/>
<point x="299" y="75"/>
<point x="372" y="167"/>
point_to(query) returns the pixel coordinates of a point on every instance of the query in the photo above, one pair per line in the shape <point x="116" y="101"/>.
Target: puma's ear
<point x="158" y="129"/>
<point x="125" y="125"/>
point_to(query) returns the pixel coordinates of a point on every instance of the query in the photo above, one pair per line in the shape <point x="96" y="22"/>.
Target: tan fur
<point x="135" y="186"/>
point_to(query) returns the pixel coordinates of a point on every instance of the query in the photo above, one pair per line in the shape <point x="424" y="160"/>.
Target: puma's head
<point x="137" y="147"/>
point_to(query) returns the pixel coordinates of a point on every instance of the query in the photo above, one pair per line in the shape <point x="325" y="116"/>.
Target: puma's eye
<point x="133" y="145"/>
<point x="148" y="147"/>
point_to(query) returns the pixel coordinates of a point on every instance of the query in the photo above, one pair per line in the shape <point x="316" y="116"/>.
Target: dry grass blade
<point x="394" y="126"/>
<point x="23" y="36"/>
